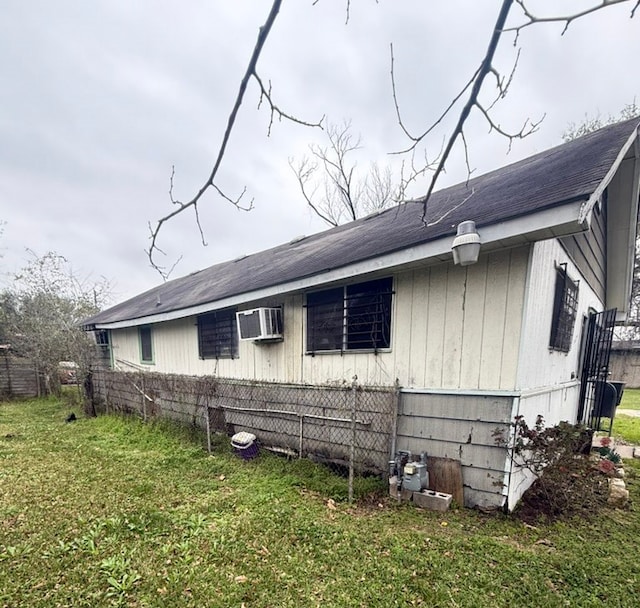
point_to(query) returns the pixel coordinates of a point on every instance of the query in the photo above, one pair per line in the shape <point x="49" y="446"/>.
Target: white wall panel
<point x="452" y="327"/>
<point x="539" y="365"/>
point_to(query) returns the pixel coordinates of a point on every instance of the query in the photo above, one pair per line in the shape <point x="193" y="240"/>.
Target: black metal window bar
<point x="351" y="318"/>
<point x="565" y="306"/>
<point x="218" y="335"/>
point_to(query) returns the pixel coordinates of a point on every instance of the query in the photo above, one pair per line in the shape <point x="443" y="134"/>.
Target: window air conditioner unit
<point x="260" y="324"/>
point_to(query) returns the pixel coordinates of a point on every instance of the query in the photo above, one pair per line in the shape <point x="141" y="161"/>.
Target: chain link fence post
<point x="352" y="447"/>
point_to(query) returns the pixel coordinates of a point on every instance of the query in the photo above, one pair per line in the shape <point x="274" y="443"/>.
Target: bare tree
<point x="466" y="101"/>
<point x="335" y="187"/>
<point x="40" y="315"/>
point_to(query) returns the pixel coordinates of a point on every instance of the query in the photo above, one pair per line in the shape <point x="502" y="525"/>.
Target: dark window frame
<point x="103" y="344"/>
<point x="145" y="342"/>
<point x="218" y="335"/>
<point x="102" y="337"/>
<point x="565" y="308"/>
<point x="351" y="318"/>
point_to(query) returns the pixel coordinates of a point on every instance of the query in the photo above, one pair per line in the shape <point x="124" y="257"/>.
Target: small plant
<point x="607" y="452"/>
<point x="566" y="480"/>
<point x="606" y="466"/>
<point x="120" y="578"/>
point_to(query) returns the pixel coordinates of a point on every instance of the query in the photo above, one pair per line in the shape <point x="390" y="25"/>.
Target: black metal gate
<point x="595" y="398"/>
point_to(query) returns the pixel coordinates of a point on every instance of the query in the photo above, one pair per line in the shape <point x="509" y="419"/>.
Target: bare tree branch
<point x="303" y="173"/>
<point x="418" y="138"/>
<point x="250" y="72"/>
<point x="275" y="110"/>
<point x="527" y="128"/>
<point x="485" y="68"/>
<point x="450" y="211"/>
<point x="410" y="172"/>
<point x="566" y="19"/>
<point x="503" y="87"/>
<point x="476" y="83"/>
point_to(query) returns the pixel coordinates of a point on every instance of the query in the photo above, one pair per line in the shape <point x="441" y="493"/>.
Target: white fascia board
<point x="632" y="225"/>
<point x="549" y="223"/>
<point x="588" y="205"/>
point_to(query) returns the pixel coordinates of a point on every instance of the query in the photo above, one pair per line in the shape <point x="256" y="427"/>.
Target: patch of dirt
<point x="564" y="494"/>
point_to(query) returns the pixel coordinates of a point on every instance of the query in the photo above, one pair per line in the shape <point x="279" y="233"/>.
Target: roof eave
<point x="548" y="223"/>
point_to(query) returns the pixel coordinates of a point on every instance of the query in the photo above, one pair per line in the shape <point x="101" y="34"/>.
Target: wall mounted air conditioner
<point x="260" y="324"/>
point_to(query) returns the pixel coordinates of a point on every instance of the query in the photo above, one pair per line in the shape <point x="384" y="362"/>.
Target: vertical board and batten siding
<point x="588" y="250"/>
<point x="541" y="366"/>
<point x="452" y="327"/>
<point x="461" y="427"/>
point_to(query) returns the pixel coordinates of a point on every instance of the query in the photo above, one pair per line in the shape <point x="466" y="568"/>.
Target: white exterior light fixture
<point x="466" y="245"/>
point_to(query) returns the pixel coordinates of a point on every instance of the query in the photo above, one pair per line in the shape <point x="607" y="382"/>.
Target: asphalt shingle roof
<point x="563" y="174"/>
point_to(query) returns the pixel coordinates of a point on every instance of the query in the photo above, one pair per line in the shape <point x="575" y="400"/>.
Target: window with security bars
<point x="350" y="318"/>
<point x="565" y="306"/>
<point x="218" y="335"/>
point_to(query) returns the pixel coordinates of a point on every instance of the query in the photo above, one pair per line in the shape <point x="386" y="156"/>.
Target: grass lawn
<point x="113" y="512"/>
<point x="630" y="399"/>
<point x="628" y="427"/>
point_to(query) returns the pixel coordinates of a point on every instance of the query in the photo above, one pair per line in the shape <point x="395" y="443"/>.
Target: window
<point x="354" y="317"/>
<point x="103" y="340"/>
<point x="218" y="335"/>
<point x="565" y="305"/>
<point x="146" y="345"/>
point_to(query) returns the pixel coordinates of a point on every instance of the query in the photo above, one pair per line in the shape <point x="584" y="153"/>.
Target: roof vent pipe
<point x="466" y="244"/>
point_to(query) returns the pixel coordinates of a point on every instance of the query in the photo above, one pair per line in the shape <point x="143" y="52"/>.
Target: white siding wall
<point x="549" y="380"/>
<point x="539" y="365"/>
<point x="452" y="328"/>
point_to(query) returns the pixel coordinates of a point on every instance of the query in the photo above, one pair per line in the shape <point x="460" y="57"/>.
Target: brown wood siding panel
<point x="18" y="377"/>
<point x="588" y="250"/>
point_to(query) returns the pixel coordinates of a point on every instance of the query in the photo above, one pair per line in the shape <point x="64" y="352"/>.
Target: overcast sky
<point x="99" y="99"/>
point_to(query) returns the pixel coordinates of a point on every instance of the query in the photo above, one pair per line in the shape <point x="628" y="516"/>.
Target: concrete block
<point x="434" y="501"/>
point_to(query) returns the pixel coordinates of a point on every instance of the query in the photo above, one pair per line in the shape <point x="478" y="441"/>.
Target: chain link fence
<point x="349" y="427"/>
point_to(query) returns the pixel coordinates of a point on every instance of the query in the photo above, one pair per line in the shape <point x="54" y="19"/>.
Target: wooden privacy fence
<point x="351" y="425"/>
<point x="19" y="377"/>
